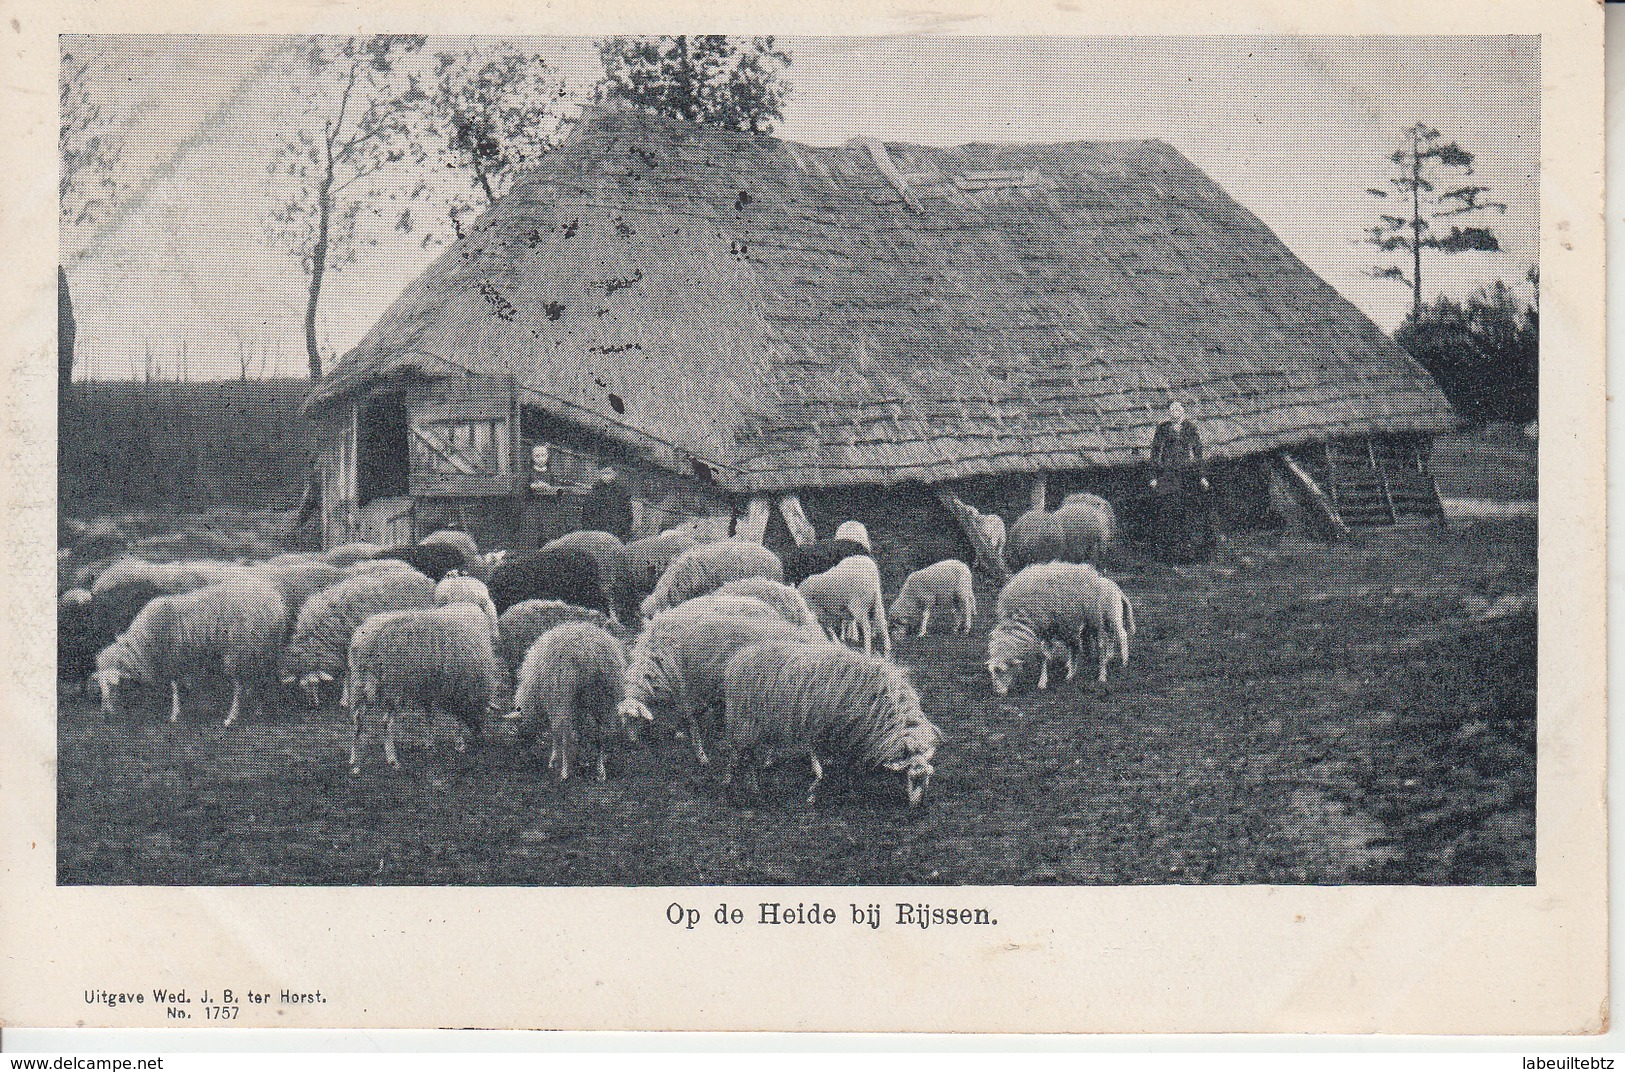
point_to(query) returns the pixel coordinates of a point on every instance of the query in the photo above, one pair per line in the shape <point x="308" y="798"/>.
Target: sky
<point x="1296" y="129"/>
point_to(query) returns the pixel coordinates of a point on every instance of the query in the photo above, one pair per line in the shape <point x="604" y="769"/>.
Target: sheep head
<point x="108" y="680"/>
<point x="1003" y="674"/>
<point x="916" y="772"/>
<point x="310" y="686"/>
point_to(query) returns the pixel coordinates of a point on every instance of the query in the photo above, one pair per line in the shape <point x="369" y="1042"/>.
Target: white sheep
<point x="991" y="527"/>
<point x="856" y="532"/>
<point x="319" y="649"/>
<point x="789" y="602"/>
<point x="236" y="625"/>
<point x="439" y="660"/>
<point x="850" y="590"/>
<point x="1053" y="601"/>
<point x="521" y="624"/>
<point x="572" y="681"/>
<point x="946" y="585"/>
<point x="349" y="554"/>
<point x="676" y="664"/>
<point x="169" y="577"/>
<point x="457" y="588"/>
<point x="706" y="568"/>
<point x="1110" y="622"/>
<point x="1089" y="524"/>
<point x="829" y="703"/>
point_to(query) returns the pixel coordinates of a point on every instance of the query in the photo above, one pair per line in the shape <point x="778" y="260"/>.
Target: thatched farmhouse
<point x="665" y="322"/>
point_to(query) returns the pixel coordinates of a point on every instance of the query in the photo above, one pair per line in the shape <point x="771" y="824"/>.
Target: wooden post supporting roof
<point x="987" y="556"/>
<point x="1040" y="492"/>
<point x="1321" y="506"/>
<point x="795" y="519"/>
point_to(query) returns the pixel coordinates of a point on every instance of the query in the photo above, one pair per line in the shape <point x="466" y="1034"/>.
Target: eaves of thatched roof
<point x="796" y="317"/>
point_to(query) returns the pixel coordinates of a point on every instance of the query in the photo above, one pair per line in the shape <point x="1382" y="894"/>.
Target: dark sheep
<point x="566" y="574"/>
<point x="610" y="552"/>
<point x="818" y="557"/>
<point x="77" y="640"/>
<point x="434" y="561"/>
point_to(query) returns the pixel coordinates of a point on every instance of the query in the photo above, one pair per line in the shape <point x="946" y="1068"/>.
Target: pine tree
<point x="1427" y="181"/>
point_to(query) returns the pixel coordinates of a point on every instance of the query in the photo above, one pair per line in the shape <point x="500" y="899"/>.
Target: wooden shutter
<point x="461" y="439"/>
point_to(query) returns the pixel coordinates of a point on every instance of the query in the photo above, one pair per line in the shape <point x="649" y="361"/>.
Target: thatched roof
<point x="793" y="317"/>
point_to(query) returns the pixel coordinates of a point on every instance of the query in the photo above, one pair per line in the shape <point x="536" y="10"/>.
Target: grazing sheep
<point x="457" y="588"/>
<point x="439" y="660"/>
<point x="318" y="651"/>
<point x="434" y="561"/>
<point x="787" y="601"/>
<point x="829" y="703"/>
<point x="851" y="589"/>
<point x="816" y="557"/>
<point x="237" y="625"/>
<point x="947" y="584"/>
<point x="564" y="573"/>
<point x="1110" y="622"/>
<point x="610" y="552"/>
<point x="129" y="584"/>
<point x="1054" y="601"/>
<point x="572" y="680"/>
<point x="1089" y="524"/>
<point x="708" y="567"/>
<point x="521" y="624"/>
<point x="856" y="533"/>
<point x="350" y="553"/>
<point x="1035" y="538"/>
<point x="676" y="665"/>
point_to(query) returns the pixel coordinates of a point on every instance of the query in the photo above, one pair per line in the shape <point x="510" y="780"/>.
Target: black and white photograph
<point x="768" y="482"/>
<point x="718" y="460"/>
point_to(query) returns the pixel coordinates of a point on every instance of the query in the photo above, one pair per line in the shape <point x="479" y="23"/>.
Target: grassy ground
<point x="1293" y="713"/>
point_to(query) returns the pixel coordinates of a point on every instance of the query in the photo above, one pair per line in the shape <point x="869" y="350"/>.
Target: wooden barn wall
<point x="660" y="497"/>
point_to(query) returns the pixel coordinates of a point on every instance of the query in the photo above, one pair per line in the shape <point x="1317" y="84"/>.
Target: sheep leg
<point x="602" y="774"/>
<point x="699" y="745"/>
<point x="880" y="624"/>
<point x="925" y="619"/>
<point x="355" y="740"/>
<point x="389" y="738"/>
<point x="174" y="701"/>
<point x="818" y="776"/>
<point x="1043" y="670"/>
<point x="236" y="702"/>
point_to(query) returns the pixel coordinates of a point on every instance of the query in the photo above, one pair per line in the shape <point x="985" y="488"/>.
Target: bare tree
<point x="357" y="126"/>
<point x="89" y="146"/>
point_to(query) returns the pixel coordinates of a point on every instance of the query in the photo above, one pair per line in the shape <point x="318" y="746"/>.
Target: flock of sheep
<point x="594" y="643"/>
